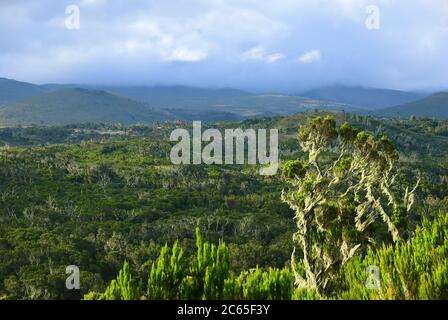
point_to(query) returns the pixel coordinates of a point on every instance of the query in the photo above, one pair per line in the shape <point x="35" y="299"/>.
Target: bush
<point x="417" y="269"/>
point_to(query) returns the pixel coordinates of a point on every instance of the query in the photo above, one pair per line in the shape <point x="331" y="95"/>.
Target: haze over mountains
<point x="24" y="103"/>
<point x="364" y="98"/>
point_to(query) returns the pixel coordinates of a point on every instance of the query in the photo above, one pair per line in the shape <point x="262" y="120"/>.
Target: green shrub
<point x="417" y="269"/>
<point x="167" y="274"/>
<point x="122" y="288"/>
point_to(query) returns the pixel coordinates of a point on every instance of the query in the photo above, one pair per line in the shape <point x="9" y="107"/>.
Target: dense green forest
<point x="106" y="198"/>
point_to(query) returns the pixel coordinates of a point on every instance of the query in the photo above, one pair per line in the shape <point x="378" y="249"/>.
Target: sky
<point x="259" y="45"/>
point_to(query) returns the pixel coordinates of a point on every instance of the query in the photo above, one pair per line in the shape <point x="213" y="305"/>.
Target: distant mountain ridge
<point x="12" y="90"/>
<point x="149" y="93"/>
<point x="433" y="106"/>
<point x="79" y="105"/>
<point x="362" y="97"/>
<point x="62" y="104"/>
<point x="49" y="104"/>
<point x="15" y="91"/>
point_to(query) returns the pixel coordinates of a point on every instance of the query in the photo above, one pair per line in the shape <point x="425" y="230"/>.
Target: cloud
<point x="259" y="54"/>
<point x="310" y="57"/>
<point x="93" y="2"/>
<point x="272" y="58"/>
<point x="186" y="55"/>
<point x="244" y="43"/>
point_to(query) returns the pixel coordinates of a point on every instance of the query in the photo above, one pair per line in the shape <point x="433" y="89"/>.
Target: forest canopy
<point x="106" y="198"/>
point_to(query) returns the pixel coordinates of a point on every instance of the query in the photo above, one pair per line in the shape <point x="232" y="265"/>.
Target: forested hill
<point x="68" y="106"/>
<point x="434" y="106"/>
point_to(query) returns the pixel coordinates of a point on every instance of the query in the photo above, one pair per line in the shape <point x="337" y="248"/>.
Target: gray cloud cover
<point x="282" y="45"/>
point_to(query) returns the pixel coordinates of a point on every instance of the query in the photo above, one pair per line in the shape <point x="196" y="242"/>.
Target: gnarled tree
<point x="346" y="185"/>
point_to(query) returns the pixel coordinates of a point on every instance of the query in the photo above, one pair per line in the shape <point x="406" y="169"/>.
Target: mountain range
<point x="24" y="103"/>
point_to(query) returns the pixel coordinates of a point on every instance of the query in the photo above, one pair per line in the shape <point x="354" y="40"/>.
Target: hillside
<point x="13" y="91"/>
<point x="366" y="98"/>
<point x="434" y="106"/>
<point x="77" y="106"/>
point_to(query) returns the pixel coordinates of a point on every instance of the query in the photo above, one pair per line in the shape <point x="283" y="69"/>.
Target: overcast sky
<point x="264" y="45"/>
